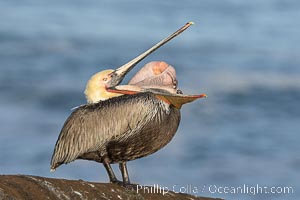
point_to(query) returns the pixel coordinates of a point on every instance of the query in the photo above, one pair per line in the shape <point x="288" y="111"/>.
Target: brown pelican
<point x="123" y="122"/>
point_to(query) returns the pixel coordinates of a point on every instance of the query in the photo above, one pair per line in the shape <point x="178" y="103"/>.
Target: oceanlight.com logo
<point x="250" y="190"/>
<point x="215" y="189"/>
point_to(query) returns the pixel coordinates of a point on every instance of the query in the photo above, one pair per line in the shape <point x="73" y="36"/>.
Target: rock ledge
<point x="34" y="187"/>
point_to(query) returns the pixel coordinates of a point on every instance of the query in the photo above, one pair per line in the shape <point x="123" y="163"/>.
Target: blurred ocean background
<point x="244" y="54"/>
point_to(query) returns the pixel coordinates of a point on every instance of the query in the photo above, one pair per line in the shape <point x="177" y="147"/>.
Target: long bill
<point x="176" y="100"/>
<point x="119" y="73"/>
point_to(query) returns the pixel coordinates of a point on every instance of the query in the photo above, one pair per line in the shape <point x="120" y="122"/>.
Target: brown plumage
<point x="120" y="129"/>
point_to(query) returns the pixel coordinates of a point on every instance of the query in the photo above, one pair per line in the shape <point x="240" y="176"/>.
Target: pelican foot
<point x="130" y="187"/>
<point x="116" y="181"/>
<point x="127" y="186"/>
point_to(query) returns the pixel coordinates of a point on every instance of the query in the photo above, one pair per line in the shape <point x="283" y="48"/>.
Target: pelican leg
<point x="111" y="174"/>
<point x="124" y="172"/>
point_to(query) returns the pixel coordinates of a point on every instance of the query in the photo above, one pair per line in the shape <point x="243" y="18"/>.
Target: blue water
<point x="243" y="54"/>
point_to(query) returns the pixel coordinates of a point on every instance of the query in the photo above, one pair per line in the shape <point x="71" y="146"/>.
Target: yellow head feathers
<point x="95" y="90"/>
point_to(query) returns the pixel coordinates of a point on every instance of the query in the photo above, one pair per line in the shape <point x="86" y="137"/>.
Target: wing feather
<point x="89" y="127"/>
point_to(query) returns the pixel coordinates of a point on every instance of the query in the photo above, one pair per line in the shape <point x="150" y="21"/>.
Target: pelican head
<point x="96" y="88"/>
<point x="99" y="84"/>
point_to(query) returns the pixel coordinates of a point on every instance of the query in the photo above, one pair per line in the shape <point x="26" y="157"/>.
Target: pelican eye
<point x="112" y="75"/>
<point x="104" y="79"/>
